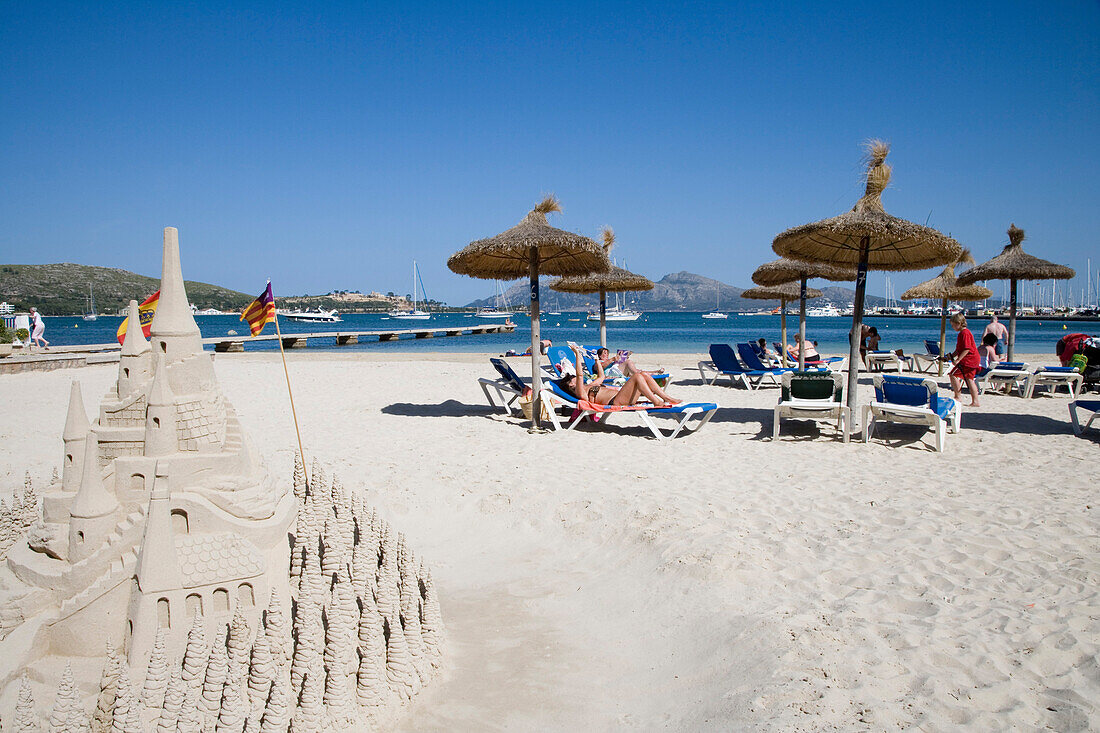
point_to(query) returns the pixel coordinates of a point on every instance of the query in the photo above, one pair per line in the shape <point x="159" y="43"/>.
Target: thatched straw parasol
<point x="783" y="270"/>
<point x="784" y="293"/>
<point x="867" y="238"/>
<point x="617" y="280"/>
<point x="526" y="249"/>
<point x="1014" y="264"/>
<point x="944" y="287"/>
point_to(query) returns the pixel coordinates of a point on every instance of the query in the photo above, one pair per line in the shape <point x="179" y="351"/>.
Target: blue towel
<point x="942" y="406"/>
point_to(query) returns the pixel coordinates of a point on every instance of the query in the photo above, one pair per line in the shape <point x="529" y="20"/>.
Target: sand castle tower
<point x="133" y="368"/>
<point x="94" y="510"/>
<point x="74" y="436"/>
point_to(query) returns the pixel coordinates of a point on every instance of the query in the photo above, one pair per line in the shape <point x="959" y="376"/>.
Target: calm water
<point x="653" y="332"/>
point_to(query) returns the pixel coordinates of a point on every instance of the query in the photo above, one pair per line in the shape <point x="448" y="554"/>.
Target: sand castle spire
<point x="173" y="311"/>
<point x="160" y="419"/>
<point x="158" y="567"/>
<point x="92" y="514"/>
<point x="74" y="435"/>
<point x="173" y="332"/>
<point x="133" y="365"/>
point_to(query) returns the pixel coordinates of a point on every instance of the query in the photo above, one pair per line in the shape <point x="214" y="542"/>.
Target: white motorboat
<point x="90" y="314"/>
<point x="716" y="314"/>
<point x="823" y="311"/>
<point x="489" y="311"/>
<point x="320" y="315"/>
<point x="415" y="314"/>
<point x="617" y="314"/>
<point x="205" y="311"/>
<point x="500" y="310"/>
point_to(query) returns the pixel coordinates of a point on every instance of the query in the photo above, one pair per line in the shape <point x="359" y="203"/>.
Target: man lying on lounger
<point x="637" y="386"/>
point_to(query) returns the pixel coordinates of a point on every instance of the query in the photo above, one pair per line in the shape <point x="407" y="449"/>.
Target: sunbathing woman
<point x="639" y="385"/>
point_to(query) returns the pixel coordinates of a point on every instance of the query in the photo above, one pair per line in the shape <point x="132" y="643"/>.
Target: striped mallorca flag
<point x="146" y="311"/>
<point x="260" y="312"/>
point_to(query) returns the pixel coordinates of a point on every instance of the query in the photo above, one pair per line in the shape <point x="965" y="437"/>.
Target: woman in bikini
<point x="639" y="385"/>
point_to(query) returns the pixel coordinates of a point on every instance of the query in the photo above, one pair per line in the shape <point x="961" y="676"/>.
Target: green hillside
<point x="62" y="289"/>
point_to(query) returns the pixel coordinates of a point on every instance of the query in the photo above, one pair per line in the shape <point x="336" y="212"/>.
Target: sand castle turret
<point x="158" y="575"/>
<point x="74" y="437"/>
<point x="160" y="418"/>
<point x="92" y="515"/>
<point x="158" y="567"/>
<point x="173" y="332"/>
<point x="133" y="366"/>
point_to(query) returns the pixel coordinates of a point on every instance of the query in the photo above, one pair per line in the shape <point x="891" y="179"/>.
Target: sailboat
<point x="617" y="312"/>
<point x="90" y="314"/>
<point x="716" y="313"/>
<point x="415" y="314"/>
<point x="500" y="310"/>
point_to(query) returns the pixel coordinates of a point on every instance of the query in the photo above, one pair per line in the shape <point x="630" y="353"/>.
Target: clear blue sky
<point x="328" y="145"/>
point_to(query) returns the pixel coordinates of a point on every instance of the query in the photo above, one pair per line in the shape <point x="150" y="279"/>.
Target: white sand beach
<point x="599" y="580"/>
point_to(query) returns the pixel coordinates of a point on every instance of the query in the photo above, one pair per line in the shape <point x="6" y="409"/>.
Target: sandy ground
<point x="597" y="580"/>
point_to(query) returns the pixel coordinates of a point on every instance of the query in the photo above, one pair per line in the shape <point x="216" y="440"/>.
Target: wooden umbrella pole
<point x="1011" y="320"/>
<point x="802" y="326"/>
<point x="603" y="318"/>
<point x="943" y="335"/>
<point x="857" y="322"/>
<point x="536" y="352"/>
<point x="290" y="393"/>
<point x="783" y="326"/>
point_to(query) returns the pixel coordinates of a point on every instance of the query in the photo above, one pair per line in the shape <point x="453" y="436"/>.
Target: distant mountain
<point x="62" y="289"/>
<point x="678" y="291"/>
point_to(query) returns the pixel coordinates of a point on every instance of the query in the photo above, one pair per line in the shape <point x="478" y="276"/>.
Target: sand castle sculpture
<point x="224" y="600"/>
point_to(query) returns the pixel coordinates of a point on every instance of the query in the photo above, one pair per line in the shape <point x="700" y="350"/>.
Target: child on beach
<point x="966" y="360"/>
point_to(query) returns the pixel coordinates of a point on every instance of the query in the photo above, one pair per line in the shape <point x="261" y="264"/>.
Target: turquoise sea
<point x="652" y="333"/>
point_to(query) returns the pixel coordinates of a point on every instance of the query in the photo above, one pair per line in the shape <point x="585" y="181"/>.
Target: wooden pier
<point x="346" y="338"/>
<point x="74" y="355"/>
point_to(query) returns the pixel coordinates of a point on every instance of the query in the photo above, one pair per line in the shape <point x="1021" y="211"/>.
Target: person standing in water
<point x="998" y="329"/>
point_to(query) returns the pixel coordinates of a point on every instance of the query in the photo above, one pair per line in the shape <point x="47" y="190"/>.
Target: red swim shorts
<point x="964" y="372"/>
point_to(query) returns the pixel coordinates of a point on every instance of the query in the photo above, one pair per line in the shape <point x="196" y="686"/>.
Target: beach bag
<point x="525" y="405"/>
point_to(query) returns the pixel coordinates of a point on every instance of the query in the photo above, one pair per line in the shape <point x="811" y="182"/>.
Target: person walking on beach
<point x="966" y="360"/>
<point x="998" y="329"/>
<point x="38" y="327"/>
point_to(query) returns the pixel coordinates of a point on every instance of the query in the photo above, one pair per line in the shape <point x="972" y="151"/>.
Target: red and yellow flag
<point x="146" y="311"/>
<point x="260" y="312"/>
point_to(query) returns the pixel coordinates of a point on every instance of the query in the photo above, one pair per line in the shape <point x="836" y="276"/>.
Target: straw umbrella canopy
<point x="616" y="280"/>
<point x="531" y="247"/>
<point x="945" y="287"/>
<point x="784" y="293"/>
<point x="783" y="270"/>
<point x="867" y="238"/>
<point x="1014" y="264"/>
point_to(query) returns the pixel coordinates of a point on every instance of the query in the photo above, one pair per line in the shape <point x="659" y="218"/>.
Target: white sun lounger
<point x="1053" y="377"/>
<point x="914" y="401"/>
